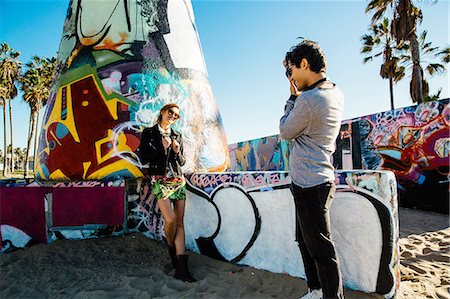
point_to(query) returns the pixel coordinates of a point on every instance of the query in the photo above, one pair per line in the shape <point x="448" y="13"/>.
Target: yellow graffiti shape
<point x="241" y="155"/>
<point x="110" y="139"/>
<point x="113" y="167"/>
<point x="56" y="117"/>
<point x="57" y="175"/>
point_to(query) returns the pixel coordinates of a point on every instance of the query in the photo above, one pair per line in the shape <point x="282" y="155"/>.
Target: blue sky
<point x="244" y="43"/>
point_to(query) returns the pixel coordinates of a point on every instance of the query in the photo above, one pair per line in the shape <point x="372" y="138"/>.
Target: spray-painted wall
<point x="262" y="154"/>
<point x="119" y="63"/>
<point x="249" y="218"/>
<point x="413" y="142"/>
<point x="242" y="217"/>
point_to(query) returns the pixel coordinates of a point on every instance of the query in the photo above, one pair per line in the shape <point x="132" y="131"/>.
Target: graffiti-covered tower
<point x="119" y="62"/>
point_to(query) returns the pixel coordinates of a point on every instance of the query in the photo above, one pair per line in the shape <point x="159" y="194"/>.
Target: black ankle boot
<point x="173" y="256"/>
<point x="182" y="271"/>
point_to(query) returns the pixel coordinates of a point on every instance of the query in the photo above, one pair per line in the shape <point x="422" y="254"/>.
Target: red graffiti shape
<point x="92" y="120"/>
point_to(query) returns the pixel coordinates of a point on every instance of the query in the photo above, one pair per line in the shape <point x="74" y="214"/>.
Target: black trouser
<point x="313" y="236"/>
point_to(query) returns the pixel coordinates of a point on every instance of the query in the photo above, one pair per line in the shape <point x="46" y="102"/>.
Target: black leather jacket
<point x="151" y="150"/>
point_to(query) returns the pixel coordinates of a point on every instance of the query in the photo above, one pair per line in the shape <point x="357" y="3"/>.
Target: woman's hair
<point x="164" y="108"/>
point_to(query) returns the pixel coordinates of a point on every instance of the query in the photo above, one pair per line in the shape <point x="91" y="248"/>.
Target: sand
<point x="424" y="255"/>
<point x="134" y="266"/>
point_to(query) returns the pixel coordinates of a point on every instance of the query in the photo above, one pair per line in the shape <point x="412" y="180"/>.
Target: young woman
<point x="162" y="149"/>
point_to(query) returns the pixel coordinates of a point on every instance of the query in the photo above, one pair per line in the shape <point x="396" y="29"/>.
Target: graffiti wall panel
<point x="22" y="215"/>
<point x="118" y="64"/>
<point x="143" y="212"/>
<point x="264" y="154"/>
<point x="248" y="218"/>
<point x="413" y="142"/>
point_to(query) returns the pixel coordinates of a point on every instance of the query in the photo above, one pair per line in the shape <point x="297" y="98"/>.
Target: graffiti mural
<point x="143" y="212"/>
<point x="413" y="142"/>
<point x="263" y="154"/>
<point x="117" y="66"/>
<point x="248" y="218"/>
<point x="242" y="217"/>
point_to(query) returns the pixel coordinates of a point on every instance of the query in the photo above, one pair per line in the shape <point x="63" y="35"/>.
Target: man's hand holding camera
<point x="293" y="87"/>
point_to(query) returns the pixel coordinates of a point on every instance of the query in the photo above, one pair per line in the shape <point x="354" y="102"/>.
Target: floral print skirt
<point x="168" y="188"/>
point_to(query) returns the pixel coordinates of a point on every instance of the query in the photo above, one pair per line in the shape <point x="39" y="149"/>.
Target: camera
<point x="288" y="72"/>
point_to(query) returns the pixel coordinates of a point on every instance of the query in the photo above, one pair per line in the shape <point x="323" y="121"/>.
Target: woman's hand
<point x="175" y="146"/>
<point x="166" y="141"/>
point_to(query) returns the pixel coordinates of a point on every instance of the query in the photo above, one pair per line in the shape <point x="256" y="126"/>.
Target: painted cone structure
<point x="119" y="62"/>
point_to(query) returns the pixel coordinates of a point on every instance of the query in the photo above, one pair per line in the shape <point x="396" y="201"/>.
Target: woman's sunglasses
<point x="172" y="113"/>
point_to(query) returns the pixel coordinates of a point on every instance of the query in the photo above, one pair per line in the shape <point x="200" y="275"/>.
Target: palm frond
<point x="367" y="59"/>
<point x="445" y="54"/>
<point x="434" y="68"/>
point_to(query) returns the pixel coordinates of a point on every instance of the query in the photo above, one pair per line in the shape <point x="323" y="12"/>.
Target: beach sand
<point x="134" y="266"/>
<point x="424" y="255"/>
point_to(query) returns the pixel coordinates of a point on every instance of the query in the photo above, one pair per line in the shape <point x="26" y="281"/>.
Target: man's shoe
<point x="313" y="294"/>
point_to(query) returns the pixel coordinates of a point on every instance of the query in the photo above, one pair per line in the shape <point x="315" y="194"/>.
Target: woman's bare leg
<point x="169" y="216"/>
<point x="180" y="239"/>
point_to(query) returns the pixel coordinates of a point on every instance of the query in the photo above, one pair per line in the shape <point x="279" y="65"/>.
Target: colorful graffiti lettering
<point x="248" y="180"/>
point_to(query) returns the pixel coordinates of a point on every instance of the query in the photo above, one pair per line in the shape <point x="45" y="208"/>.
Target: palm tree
<point x="19" y="157"/>
<point x="8" y="151"/>
<point x="36" y="84"/>
<point x="428" y="55"/>
<point x="405" y="18"/>
<point x="2" y="157"/>
<point x="31" y="94"/>
<point x="10" y="71"/>
<point x="379" y="42"/>
<point x="3" y="104"/>
<point x="49" y="67"/>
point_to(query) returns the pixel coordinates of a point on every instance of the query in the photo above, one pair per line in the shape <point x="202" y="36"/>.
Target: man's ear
<point x="304" y="64"/>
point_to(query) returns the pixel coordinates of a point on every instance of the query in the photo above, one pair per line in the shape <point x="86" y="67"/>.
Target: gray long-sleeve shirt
<point x="312" y="121"/>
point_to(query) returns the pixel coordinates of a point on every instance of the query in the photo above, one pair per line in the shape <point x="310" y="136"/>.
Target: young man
<point x="312" y="119"/>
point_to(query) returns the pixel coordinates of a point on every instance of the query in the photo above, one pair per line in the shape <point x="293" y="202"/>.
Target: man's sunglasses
<point x="172" y="113"/>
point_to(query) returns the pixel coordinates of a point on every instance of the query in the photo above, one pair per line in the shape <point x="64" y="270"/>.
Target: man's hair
<point x="312" y="52"/>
